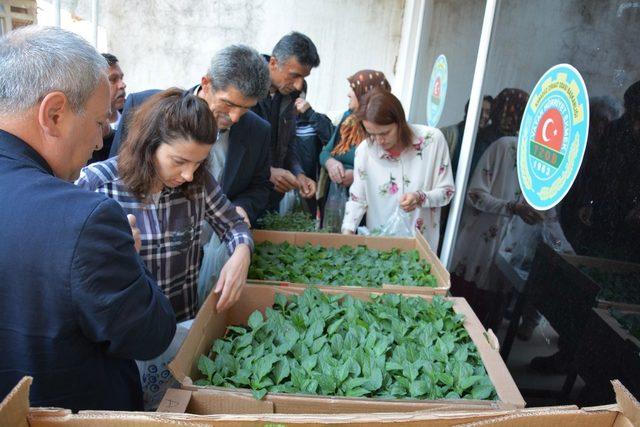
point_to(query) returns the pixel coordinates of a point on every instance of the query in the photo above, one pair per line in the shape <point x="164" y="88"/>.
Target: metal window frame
<point x="469" y="135"/>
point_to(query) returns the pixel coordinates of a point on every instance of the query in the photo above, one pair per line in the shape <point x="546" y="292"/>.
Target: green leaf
<point x="255" y="320"/>
<point x="419" y="388"/>
<point x="482" y="391"/>
<point x="206" y="366"/>
<point x="281" y="369"/>
<point x="259" y="394"/>
<point x="310" y="362"/>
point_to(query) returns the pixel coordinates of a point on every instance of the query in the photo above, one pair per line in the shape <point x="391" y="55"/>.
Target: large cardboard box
<point x="328" y="240"/>
<point x="210" y="325"/>
<point x="15" y="411"/>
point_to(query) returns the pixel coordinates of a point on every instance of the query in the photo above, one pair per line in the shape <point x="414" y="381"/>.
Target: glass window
<point x="558" y="264"/>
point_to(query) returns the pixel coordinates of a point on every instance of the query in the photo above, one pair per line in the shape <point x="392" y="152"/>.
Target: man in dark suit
<point x="291" y="61"/>
<point x="237" y="78"/>
<point x="76" y="302"/>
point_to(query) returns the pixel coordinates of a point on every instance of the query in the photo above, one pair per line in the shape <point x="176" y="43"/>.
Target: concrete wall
<point x="597" y="37"/>
<point x="166" y="43"/>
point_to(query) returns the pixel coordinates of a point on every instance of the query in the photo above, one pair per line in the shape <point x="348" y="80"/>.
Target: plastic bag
<point x="214" y="258"/>
<point x="334" y="208"/>
<point x="398" y="224"/>
<point x="287" y="202"/>
<point x="155" y="377"/>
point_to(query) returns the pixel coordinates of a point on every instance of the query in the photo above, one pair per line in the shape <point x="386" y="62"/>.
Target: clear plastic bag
<point x="398" y="224"/>
<point x="214" y="258"/>
<point x="287" y="202"/>
<point x="334" y="208"/>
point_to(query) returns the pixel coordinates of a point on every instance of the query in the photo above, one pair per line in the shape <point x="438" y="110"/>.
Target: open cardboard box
<point x="210" y="325"/>
<point x="15" y="411"/>
<point x="328" y="240"/>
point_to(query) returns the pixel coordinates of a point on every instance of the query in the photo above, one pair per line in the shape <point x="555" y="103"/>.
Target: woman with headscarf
<point x="338" y="155"/>
<point x="506" y="113"/>
<point x="493" y="198"/>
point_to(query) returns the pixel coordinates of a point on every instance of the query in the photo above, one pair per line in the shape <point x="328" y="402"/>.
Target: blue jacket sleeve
<point x="116" y="302"/>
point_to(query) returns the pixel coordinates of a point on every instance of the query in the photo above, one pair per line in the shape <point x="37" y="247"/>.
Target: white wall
<point x="598" y="37"/>
<point x="169" y="43"/>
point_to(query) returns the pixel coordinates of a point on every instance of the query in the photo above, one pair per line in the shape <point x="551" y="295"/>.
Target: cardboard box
<point x="607" y="351"/>
<point x="328" y="240"/>
<point x="15" y="411"/>
<point x="210" y="325"/>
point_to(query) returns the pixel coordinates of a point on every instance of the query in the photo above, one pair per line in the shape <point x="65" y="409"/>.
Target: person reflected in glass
<point x="493" y="198"/>
<point x="453" y="133"/>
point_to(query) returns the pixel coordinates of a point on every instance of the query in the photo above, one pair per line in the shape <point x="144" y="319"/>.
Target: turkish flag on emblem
<point x="550" y="131"/>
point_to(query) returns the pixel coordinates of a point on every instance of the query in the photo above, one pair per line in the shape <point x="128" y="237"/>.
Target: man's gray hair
<point x="241" y="67"/>
<point x="35" y="61"/>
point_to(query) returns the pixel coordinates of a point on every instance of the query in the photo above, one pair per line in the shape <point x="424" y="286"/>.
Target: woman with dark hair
<point x="160" y="179"/>
<point x="399" y="165"/>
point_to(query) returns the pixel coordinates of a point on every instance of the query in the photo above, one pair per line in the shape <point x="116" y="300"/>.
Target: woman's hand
<point x="527" y="213"/>
<point x="233" y="277"/>
<point x="335" y="169"/>
<point x="348" y="178"/>
<point x="409" y="202"/>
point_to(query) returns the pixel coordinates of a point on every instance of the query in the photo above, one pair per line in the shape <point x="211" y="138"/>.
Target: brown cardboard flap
<point x="544" y="418"/>
<point x="175" y="400"/>
<point x="627" y="403"/>
<point x="14" y="408"/>
<point x="258" y="297"/>
<point x="223" y="402"/>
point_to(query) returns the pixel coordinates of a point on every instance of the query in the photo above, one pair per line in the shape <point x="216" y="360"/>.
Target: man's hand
<point x="302" y="105"/>
<point x="283" y="180"/>
<point x="335" y="169"/>
<point x="244" y="215"/>
<point x="233" y="277"/>
<point x="135" y="231"/>
<point x="409" y="202"/>
<point x="307" y="186"/>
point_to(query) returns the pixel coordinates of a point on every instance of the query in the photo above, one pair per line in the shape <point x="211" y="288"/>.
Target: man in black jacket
<point x="291" y="61"/>
<point x="237" y="78"/>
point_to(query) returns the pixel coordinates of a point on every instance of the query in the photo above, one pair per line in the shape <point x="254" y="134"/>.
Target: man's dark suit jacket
<point x="77" y="304"/>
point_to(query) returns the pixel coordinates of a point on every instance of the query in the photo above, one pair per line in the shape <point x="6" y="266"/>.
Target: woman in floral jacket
<point x="400" y="166"/>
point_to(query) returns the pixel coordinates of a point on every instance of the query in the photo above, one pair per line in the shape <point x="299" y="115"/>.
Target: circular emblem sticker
<point x="553" y="136"/>
<point x="437" y="91"/>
